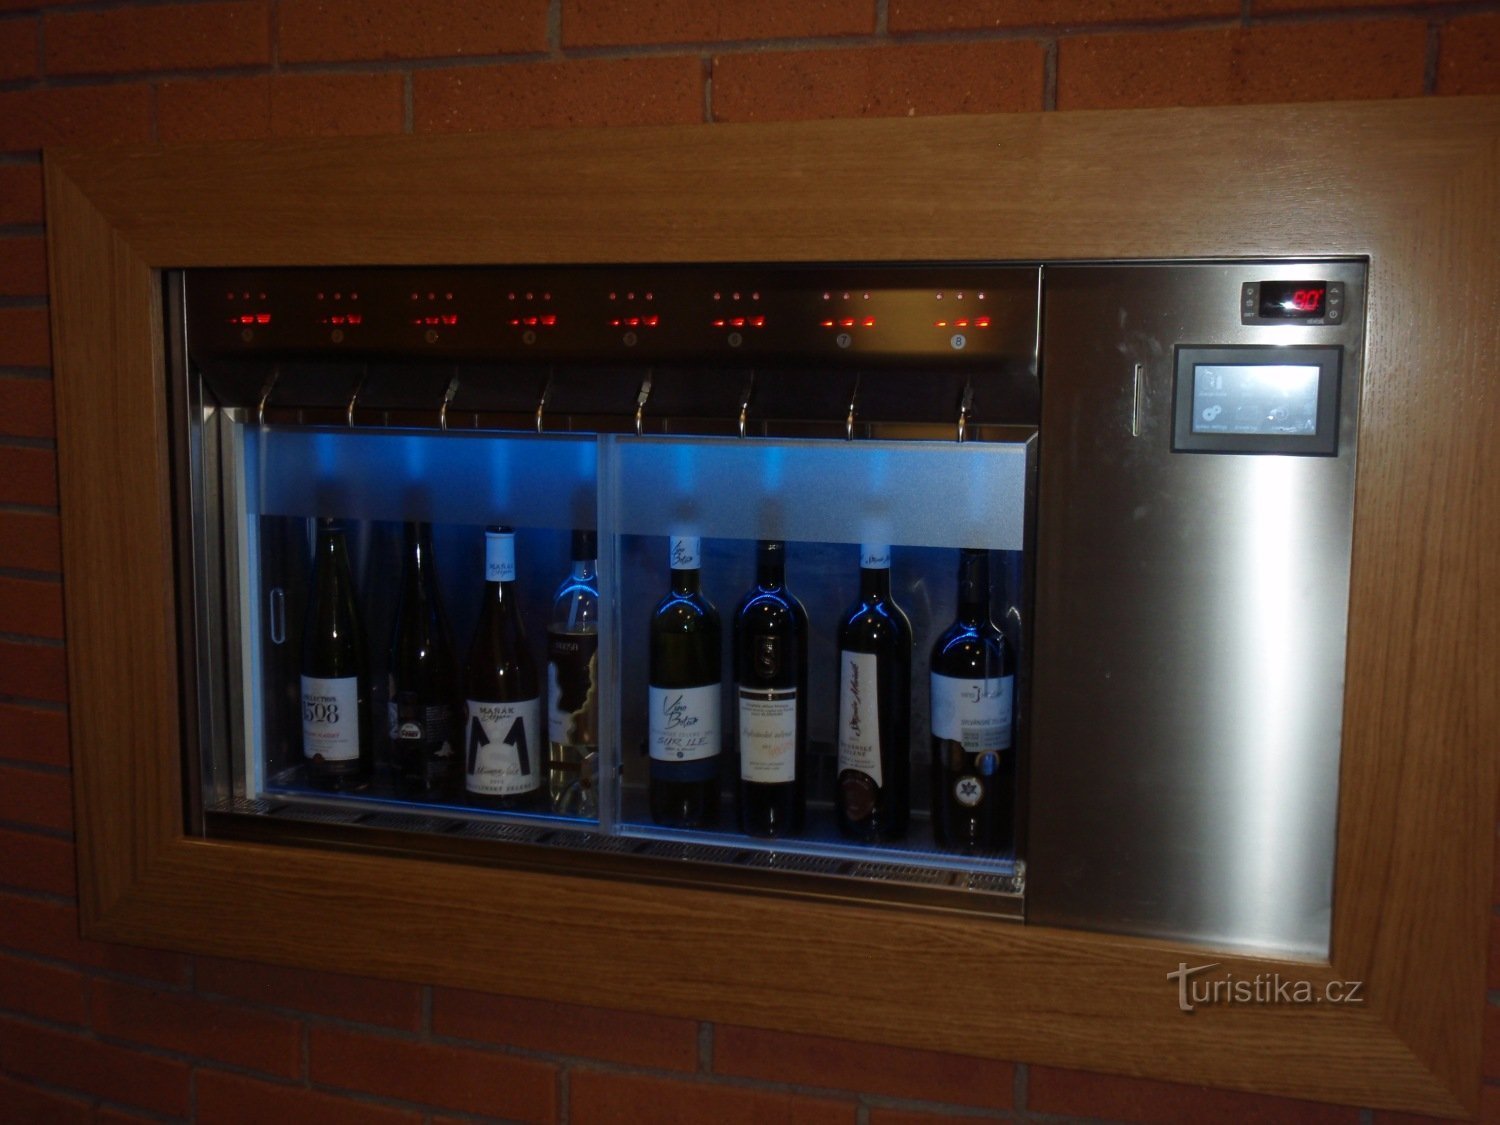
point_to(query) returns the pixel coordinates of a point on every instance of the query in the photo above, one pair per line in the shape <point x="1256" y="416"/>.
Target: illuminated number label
<point x="1308" y="300"/>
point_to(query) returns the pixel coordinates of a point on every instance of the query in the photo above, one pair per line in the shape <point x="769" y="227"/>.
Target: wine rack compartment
<point x="409" y="460"/>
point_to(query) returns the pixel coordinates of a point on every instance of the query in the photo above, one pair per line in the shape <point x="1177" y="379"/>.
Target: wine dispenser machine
<point x="1031" y="579"/>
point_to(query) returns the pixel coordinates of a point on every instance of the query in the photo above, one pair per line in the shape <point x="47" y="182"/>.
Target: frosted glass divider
<point x="937" y="494"/>
<point x="610" y="772"/>
<point x="521" y="479"/>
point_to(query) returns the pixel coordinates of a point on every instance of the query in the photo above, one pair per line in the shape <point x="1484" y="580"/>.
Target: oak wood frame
<point x="1410" y="184"/>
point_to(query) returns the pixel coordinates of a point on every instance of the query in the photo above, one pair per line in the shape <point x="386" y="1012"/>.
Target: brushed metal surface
<point x="1191" y="611"/>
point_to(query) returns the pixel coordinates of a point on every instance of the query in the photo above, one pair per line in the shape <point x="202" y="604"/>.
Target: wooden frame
<point x="1412" y="184"/>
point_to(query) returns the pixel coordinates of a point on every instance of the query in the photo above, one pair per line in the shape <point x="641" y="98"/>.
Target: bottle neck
<point x="770" y="566"/>
<point x="875" y="583"/>
<point x="584" y="570"/>
<point x="973" y="587"/>
<point x="417" y="541"/>
<point x="686" y="581"/>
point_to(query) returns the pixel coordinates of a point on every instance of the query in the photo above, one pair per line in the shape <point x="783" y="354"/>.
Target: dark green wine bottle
<point x="335" y="672"/>
<point x="504" y="747"/>
<point x="874" y="715"/>
<point x="973" y="761"/>
<point x="424" y="695"/>
<point x="684" y="697"/>
<point x="770" y="673"/>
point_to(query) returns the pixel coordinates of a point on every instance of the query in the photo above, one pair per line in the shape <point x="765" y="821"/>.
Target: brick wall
<point x="92" y="1032"/>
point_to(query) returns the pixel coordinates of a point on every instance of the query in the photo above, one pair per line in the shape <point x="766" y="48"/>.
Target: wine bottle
<point x="770" y="673"/>
<point x="335" y="728"/>
<point x="502" y="746"/>
<point x="423" y="681"/>
<point x="684" y="697"/>
<point x="874" y="735"/>
<point x="573" y="685"/>
<point x="973" y="762"/>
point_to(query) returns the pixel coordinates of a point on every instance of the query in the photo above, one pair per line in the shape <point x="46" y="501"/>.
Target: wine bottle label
<point x="686" y="552"/>
<point x="499" y="556"/>
<point x="768" y="735"/>
<point x="572" y="688"/>
<point x="874" y="556"/>
<point x="859" y="715"/>
<point x="411" y="722"/>
<point x="330" y="718"/>
<point x="501" y="756"/>
<point x="684" y="723"/>
<point x="976" y="713"/>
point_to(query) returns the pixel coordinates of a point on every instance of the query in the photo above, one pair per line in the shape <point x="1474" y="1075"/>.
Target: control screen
<point x="1242" y="398"/>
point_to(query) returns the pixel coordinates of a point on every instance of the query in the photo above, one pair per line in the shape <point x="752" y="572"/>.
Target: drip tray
<point x="803" y="867"/>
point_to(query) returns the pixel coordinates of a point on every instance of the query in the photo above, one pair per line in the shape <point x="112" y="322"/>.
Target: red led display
<point x="963" y="322"/>
<point x="740" y="322"/>
<point x="433" y="320"/>
<point x="850" y="322"/>
<point x="537" y="320"/>
<point x="250" y="318"/>
<point x="635" y="321"/>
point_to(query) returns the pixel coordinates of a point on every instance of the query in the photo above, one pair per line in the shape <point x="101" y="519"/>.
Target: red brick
<point x="1264" y="7"/>
<point x="74" y="115"/>
<point x="50" y="929"/>
<point x="217" y="109"/>
<point x="26" y="408"/>
<point x="28" y="476"/>
<point x="901" y="81"/>
<point x="651" y="91"/>
<point x="567" y="1029"/>
<point x="358" y="999"/>
<point x="911" y="1117"/>
<point x="20" y="193"/>
<point x="33" y="671"/>
<point x="36" y="863"/>
<point x="284" y="105"/>
<point x="480" y="1082"/>
<point x="337" y="105"/>
<point x="23" y="267"/>
<point x="954" y="15"/>
<point x="30" y="541"/>
<point x="231" y="1099"/>
<point x="588" y="23"/>
<point x="321" y="30"/>
<point x="18" y="54"/>
<point x="30" y="734"/>
<point x="597" y="1098"/>
<point x="43" y="991"/>
<point x="106" y="1115"/>
<point x="25" y="338"/>
<point x="165" y="37"/>
<point x="91" y="1067"/>
<point x="174" y="1021"/>
<point x="1301" y="62"/>
<point x="1469" y="56"/>
<point x="26" y="1105"/>
<point x="1082" y="1094"/>
<point x="898" y="1072"/>
<point x="36" y="799"/>
<point x="31" y="607"/>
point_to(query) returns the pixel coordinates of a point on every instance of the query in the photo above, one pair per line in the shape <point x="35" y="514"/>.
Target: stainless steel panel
<point x="1191" y="611"/>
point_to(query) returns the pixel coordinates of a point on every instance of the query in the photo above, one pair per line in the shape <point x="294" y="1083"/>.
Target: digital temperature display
<point x="1293" y="300"/>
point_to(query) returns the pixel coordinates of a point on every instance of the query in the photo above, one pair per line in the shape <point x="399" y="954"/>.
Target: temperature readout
<point x="1293" y="300"/>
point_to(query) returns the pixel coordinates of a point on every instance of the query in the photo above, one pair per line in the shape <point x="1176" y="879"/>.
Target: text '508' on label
<point x="976" y="713"/>
<point x="330" y="718"/>
<point x="768" y="735"/>
<point x="859" y="715"/>
<point x="684" y="723"/>
<point x="501" y="747"/>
